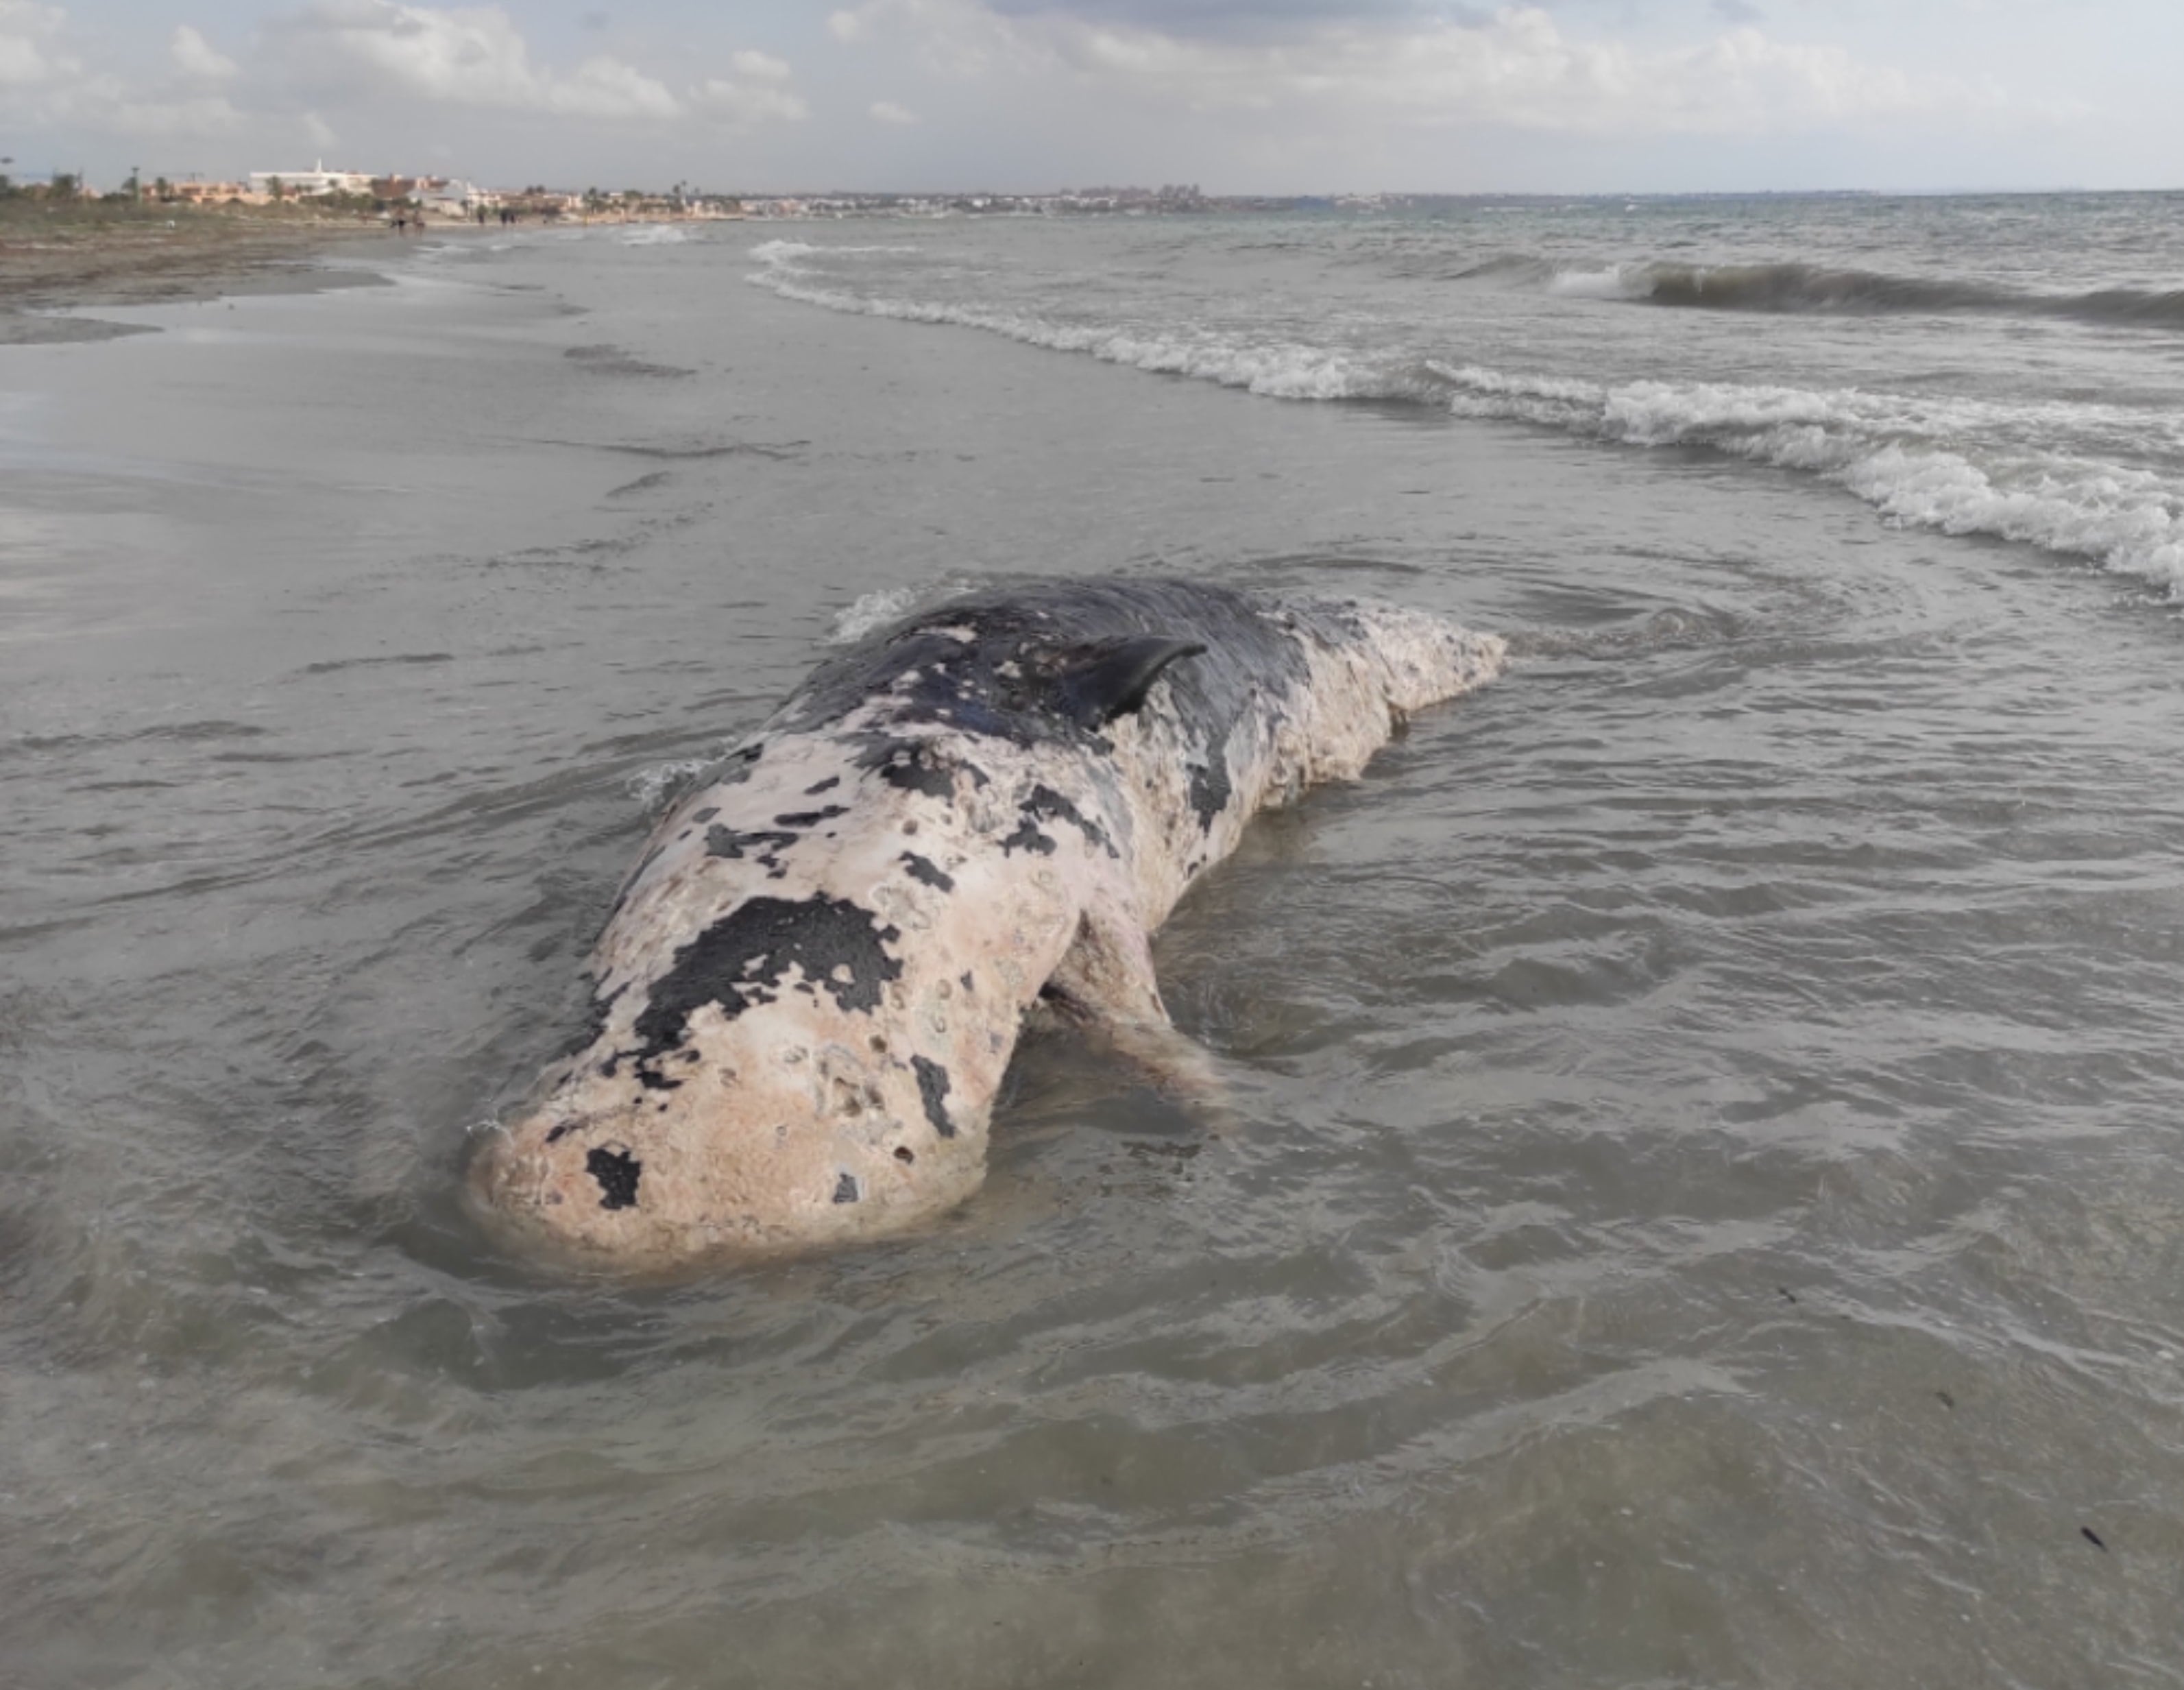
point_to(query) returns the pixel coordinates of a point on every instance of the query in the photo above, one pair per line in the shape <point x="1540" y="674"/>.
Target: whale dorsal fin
<point x="1095" y="682"/>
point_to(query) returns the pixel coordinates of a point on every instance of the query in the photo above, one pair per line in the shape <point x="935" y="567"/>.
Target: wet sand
<point x="63" y="263"/>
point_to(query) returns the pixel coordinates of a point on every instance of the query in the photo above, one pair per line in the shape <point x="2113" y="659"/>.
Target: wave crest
<point x="1900" y="455"/>
<point x="1792" y="287"/>
<point x="1958" y="466"/>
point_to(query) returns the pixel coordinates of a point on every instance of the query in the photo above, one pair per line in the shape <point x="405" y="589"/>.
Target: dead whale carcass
<point x="806" y="996"/>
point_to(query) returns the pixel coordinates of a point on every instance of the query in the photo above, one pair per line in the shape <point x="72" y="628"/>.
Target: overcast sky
<point x="1238" y="95"/>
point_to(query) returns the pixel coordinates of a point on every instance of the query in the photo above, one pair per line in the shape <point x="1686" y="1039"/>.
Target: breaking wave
<point x="1285" y="370"/>
<point x="1909" y="458"/>
<point x="1961" y="467"/>
<point x="784" y="252"/>
<point x="1797" y="287"/>
<point x="1790" y="287"/>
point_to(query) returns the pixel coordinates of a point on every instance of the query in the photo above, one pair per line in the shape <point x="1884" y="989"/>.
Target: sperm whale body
<point x="806" y="997"/>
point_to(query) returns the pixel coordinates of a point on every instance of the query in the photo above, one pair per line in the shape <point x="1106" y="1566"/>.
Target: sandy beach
<point x="73" y="261"/>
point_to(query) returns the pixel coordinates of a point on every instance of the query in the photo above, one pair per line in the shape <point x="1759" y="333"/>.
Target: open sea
<point x="1707" y="1203"/>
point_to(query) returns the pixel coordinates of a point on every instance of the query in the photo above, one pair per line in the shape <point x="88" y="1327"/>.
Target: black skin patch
<point x="926" y="873"/>
<point x="743" y="960"/>
<point x="932" y="1092"/>
<point x="1055" y="663"/>
<point x="707" y="813"/>
<point x="846" y="1189"/>
<point x="1027" y="837"/>
<point x="1046" y="805"/>
<point x="968" y="986"/>
<point x="825" y="785"/>
<point x="617" y="1173"/>
<point x="811" y="818"/>
<point x="909" y="766"/>
<point x="763" y="848"/>
<point x="1209" y="791"/>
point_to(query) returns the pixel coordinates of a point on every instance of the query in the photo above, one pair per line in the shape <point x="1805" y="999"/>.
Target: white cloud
<point x="348" y="58"/>
<point x="203" y="117"/>
<point x="742" y="104"/>
<point x="887" y="111"/>
<point x="607" y="88"/>
<point x="463" y="56"/>
<point x="1519" y="68"/>
<point x="30" y="55"/>
<point x="758" y="92"/>
<point x="50" y="85"/>
<point x="477" y="57"/>
<point x="196" y="57"/>
<point x="760" y="67"/>
<point x="954" y="37"/>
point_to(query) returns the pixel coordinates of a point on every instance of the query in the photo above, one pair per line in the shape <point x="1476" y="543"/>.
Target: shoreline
<point x="54" y="275"/>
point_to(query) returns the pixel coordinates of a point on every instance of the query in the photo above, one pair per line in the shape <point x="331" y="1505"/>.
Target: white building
<point x="304" y="184"/>
<point x="453" y="198"/>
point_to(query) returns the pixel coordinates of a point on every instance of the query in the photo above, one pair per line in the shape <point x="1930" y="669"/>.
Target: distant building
<point x="451" y="197"/>
<point x="309" y="184"/>
<point x="208" y="193"/>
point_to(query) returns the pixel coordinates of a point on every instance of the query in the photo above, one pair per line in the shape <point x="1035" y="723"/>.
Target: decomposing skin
<point x="807" y="994"/>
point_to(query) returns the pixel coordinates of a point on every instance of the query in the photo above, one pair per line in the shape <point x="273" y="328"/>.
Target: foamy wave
<point x="1888" y="450"/>
<point x="784" y="252"/>
<point x="652" y="235"/>
<point x="1792" y="287"/>
<point x="1616" y="282"/>
<point x="876" y="609"/>
<point x="1957" y="467"/>
<point x="1275" y="370"/>
<point x="655" y="787"/>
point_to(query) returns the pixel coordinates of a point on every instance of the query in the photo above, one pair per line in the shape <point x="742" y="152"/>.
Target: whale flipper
<point x="1094" y="684"/>
<point x="1107" y="974"/>
<point x="1105" y="986"/>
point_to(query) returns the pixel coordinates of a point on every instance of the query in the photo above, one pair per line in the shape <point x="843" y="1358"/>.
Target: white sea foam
<point x="1909" y="458"/>
<point x="1276" y="370"/>
<point x="653" y="235"/>
<point x="1959" y="466"/>
<point x="1616" y="282"/>
<point x="874" y="610"/>
<point x="657" y="786"/>
<point x="877" y="608"/>
<point x="785" y="252"/>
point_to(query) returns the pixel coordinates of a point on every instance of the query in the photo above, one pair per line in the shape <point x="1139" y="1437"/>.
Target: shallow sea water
<point x="1707" y="1206"/>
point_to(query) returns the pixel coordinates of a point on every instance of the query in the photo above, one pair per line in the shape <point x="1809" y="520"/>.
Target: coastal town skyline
<point x="1248" y="96"/>
<point x="349" y="192"/>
